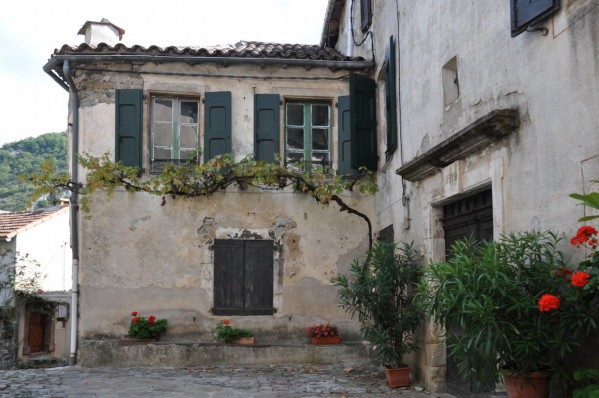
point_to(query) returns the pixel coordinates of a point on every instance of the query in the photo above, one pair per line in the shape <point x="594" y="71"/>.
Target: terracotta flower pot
<point x="398" y="377"/>
<point x="244" y="340"/>
<point x="326" y="340"/>
<point x="533" y="385"/>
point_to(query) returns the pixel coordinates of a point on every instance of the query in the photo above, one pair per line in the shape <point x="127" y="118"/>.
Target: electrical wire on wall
<point x="353" y="34"/>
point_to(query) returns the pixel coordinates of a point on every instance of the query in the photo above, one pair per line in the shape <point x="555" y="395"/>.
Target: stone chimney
<point x="101" y="32"/>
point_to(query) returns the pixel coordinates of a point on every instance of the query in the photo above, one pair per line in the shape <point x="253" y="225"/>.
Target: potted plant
<point x="323" y="334"/>
<point x="145" y="329"/>
<point x="379" y="292"/>
<point x="228" y="334"/>
<point x="519" y="310"/>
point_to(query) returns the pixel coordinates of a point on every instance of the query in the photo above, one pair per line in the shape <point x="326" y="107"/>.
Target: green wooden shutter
<point x="344" y="137"/>
<point x="390" y="98"/>
<point x="362" y="104"/>
<point x="128" y="131"/>
<point x="266" y="127"/>
<point x="217" y="124"/>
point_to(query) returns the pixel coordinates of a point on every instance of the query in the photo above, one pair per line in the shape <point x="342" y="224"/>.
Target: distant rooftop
<point x="13" y="223"/>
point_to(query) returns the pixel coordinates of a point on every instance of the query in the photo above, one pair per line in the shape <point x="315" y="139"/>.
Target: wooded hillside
<point x="23" y="157"/>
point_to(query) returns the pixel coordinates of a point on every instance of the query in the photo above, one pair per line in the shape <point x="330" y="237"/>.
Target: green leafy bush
<point x="379" y="293"/>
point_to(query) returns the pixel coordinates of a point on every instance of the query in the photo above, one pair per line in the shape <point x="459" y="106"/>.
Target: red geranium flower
<point x="583" y="234"/>
<point x="136" y="320"/>
<point x="548" y="302"/>
<point x="580" y="279"/>
<point x="134" y="313"/>
<point x="226" y="322"/>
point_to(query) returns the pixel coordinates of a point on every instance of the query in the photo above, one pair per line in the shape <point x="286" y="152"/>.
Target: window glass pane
<point x="162" y="153"/>
<point x="294" y="157"/>
<point x="295" y="138"/>
<point x="320" y="139"/>
<point x="320" y="115"/>
<point x="163" y="134"/>
<point x="320" y="157"/>
<point x="295" y="114"/>
<point x="189" y="112"/>
<point x="163" y="110"/>
<point x="188" y="154"/>
<point x="188" y="137"/>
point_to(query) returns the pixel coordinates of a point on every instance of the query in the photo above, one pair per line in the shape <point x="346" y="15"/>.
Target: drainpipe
<point x="74" y="210"/>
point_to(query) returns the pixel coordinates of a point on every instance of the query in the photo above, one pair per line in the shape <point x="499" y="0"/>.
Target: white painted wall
<point x="49" y="244"/>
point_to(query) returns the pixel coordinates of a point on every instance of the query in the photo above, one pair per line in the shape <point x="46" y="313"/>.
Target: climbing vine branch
<point x="217" y="175"/>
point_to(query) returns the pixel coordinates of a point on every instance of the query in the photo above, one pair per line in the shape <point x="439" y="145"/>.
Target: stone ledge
<point x="484" y="131"/>
<point x="114" y="353"/>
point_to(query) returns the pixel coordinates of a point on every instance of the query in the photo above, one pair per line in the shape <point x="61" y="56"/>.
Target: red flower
<point x="580" y="279"/>
<point x="583" y="234"/>
<point x="226" y="322"/>
<point x="548" y="302"/>
<point x="134" y="313"/>
<point x="136" y="320"/>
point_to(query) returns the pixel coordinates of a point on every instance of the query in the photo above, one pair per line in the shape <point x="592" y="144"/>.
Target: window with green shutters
<point x="308" y="133"/>
<point x="174" y="130"/>
<point x="390" y="98"/>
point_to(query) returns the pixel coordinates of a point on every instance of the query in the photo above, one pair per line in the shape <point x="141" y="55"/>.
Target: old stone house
<point x="262" y="258"/>
<point x="487" y="117"/>
<point x="41" y="242"/>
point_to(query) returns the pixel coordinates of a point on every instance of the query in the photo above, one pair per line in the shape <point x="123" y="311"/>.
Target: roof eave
<point x="54" y="64"/>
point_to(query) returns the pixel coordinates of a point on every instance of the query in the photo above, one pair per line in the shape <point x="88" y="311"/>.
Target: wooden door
<point x="37" y="331"/>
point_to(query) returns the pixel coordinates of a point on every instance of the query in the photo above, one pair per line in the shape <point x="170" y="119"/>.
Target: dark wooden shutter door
<point x="344" y="137"/>
<point x="129" y="105"/>
<point x="266" y="126"/>
<point x="390" y="97"/>
<point x="243" y="277"/>
<point x="363" y="121"/>
<point x="228" y="276"/>
<point x="217" y="124"/>
<point x="525" y="13"/>
<point x="258" y="277"/>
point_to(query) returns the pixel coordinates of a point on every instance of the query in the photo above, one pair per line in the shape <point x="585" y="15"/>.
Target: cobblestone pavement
<point x="345" y="380"/>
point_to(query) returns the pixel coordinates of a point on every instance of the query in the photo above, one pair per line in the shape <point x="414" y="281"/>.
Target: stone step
<point x="116" y="353"/>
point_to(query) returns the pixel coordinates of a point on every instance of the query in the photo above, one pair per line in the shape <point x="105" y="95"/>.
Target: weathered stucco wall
<point x="137" y="255"/>
<point x="553" y="82"/>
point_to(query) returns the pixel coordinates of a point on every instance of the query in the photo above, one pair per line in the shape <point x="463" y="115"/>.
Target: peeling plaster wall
<point x="552" y="80"/>
<point x="137" y="255"/>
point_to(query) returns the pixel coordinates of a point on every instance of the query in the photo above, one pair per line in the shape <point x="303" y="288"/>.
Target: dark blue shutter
<point x="266" y="127"/>
<point x="344" y="137"/>
<point x="362" y="103"/>
<point x="390" y="98"/>
<point x="526" y="13"/>
<point x="128" y="131"/>
<point x="217" y="124"/>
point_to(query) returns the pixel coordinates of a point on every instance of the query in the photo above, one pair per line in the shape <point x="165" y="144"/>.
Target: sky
<point x="31" y="103"/>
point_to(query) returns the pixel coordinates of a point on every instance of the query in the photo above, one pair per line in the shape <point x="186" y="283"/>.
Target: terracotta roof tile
<point x="11" y="224"/>
<point x="242" y="49"/>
